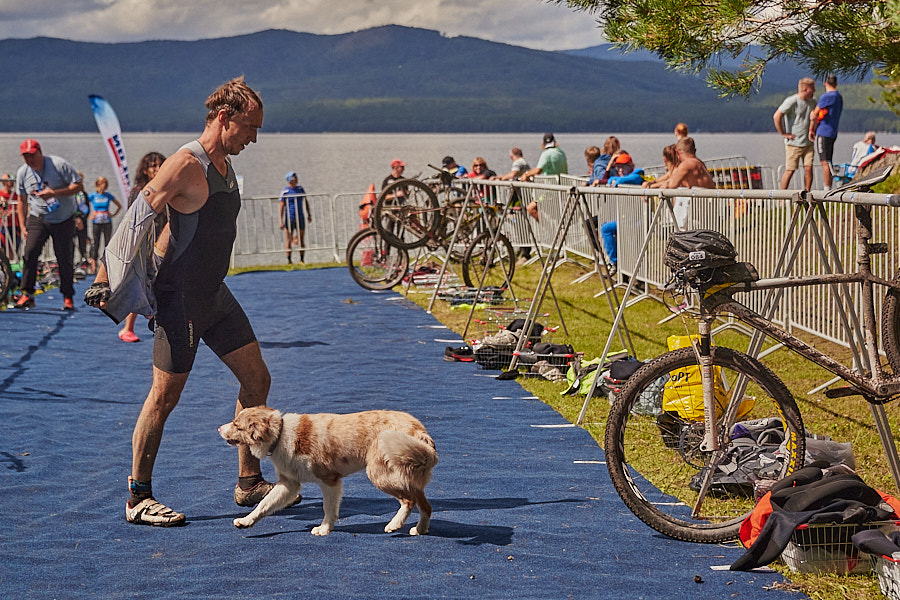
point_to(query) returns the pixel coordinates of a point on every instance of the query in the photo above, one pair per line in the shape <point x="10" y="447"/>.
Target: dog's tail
<point x="408" y="452"/>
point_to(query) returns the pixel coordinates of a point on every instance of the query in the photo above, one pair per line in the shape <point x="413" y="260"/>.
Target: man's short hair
<point x="516" y="151"/>
<point x="686" y="145"/>
<point x="831" y="79"/>
<point x="806" y="82"/>
<point x="592" y="153"/>
<point x="234" y="97"/>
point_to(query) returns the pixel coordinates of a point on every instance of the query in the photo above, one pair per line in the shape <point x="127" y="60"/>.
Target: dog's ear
<point x="260" y="427"/>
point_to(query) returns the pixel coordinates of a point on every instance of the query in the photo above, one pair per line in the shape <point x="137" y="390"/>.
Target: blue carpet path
<point x="523" y="506"/>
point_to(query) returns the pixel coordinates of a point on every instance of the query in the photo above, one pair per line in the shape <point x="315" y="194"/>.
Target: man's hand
<point x="97" y="295"/>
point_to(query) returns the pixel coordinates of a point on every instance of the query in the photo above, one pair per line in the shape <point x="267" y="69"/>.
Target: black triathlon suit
<point x="193" y="302"/>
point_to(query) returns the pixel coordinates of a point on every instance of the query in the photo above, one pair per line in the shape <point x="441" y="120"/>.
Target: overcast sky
<point x="527" y="23"/>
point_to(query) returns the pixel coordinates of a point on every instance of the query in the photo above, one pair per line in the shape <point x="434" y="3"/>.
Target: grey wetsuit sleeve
<point x="130" y="263"/>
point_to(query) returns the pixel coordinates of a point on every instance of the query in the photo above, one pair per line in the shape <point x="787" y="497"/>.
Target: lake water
<point x="333" y="163"/>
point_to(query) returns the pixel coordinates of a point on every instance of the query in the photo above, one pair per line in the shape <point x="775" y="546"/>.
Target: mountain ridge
<point x="383" y="79"/>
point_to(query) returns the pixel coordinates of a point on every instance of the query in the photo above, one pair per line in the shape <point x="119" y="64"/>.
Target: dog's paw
<point x="415" y="531"/>
<point x="243" y="523"/>
<point x="392" y="527"/>
<point x="321" y="530"/>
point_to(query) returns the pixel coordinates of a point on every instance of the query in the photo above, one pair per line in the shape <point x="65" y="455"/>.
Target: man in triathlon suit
<point x="198" y="187"/>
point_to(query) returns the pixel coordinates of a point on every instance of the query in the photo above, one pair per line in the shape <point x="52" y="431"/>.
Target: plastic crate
<point x="887" y="569"/>
<point x="827" y="548"/>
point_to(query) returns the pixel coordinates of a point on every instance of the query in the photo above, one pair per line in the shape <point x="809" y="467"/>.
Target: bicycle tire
<point x="890" y="326"/>
<point x="652" y="467"/>
<point x="503" y="259"/>
<point x="374" y="264"/>
<point x="410" y="219"/>
<point x="6" y="275"/>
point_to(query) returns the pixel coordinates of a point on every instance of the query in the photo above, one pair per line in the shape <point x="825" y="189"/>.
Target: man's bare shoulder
<point x="180" y="183"/>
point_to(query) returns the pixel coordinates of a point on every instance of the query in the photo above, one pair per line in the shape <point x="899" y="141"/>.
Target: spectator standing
<point x="792" y="123"/>
<point x="101" y="218"/>
<point x="147" y="169"/>
<point x="551" y="162"/>
<point x="9" y="219"/>
<point x="46" y="187"/>
<point x="397" y="168"/>
<point x="823" y="126"/>
<point x="293" y="216"/>
<point x="82" y="230"/>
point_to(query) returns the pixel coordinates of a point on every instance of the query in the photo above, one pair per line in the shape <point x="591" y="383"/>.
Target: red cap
<point x="29" y="147"/>
<point x="397" y="163"/>
<point x="623" y="158"/>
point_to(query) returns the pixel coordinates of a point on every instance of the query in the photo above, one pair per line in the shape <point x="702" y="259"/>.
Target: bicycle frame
<point x="868" y="380"/>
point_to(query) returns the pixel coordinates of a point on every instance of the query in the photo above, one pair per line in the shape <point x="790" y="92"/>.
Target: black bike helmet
<point x="698" y="249"/>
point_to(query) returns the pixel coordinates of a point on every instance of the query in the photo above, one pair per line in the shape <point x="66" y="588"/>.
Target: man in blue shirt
<point x="47" y="186"/>
<point x="823" y="126"/>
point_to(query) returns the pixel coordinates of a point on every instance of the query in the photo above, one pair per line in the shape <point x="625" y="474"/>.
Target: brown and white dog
<point x="393" y="447"/>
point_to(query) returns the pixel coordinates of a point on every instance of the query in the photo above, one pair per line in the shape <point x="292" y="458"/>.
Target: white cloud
<point x="521" y="22"/>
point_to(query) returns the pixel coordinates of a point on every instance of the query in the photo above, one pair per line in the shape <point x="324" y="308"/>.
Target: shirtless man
<point x="198" y="187"/>
<point x="690" y="172"/>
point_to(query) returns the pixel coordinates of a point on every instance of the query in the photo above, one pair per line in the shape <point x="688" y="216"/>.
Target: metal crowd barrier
<point x="756" y="220"/>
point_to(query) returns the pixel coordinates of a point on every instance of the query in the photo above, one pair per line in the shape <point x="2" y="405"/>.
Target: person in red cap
<point x="397" y="167"/>
<point x="47" y="186"/>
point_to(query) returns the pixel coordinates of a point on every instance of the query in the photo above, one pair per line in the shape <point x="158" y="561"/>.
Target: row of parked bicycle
<point x="456" y="221"/>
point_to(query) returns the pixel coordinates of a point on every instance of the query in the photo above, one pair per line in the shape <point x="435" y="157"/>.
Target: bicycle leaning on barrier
<point x="411" y="213"/>
<point x="675" y="474"/>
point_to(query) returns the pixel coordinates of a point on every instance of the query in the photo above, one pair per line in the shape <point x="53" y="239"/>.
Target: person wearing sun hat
<point x="46" y="186"/>
<point x="293" y="218"/>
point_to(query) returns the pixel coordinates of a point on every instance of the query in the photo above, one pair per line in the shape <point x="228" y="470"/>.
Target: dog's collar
<point x="277" y="439"/>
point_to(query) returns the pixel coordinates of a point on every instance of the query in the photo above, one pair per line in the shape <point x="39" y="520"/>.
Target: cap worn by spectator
<point x="397" y="163"/>
<point x="290" y="175"/>
<point x="623" y="158"/>
<point x="448" y="162"/>
<point x="549" y="140"/>
<point x="29" y="146"/>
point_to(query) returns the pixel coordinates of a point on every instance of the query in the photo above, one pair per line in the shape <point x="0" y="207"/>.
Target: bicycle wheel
<point x="495" y="259"/>
<point x="374" y="264"/>
<point x="655" y="462"/>
<point x="5" y="275"/>
<point x="465" y="229"/>
<point x="890" y="326"/>
<point x="407" y="214"/>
